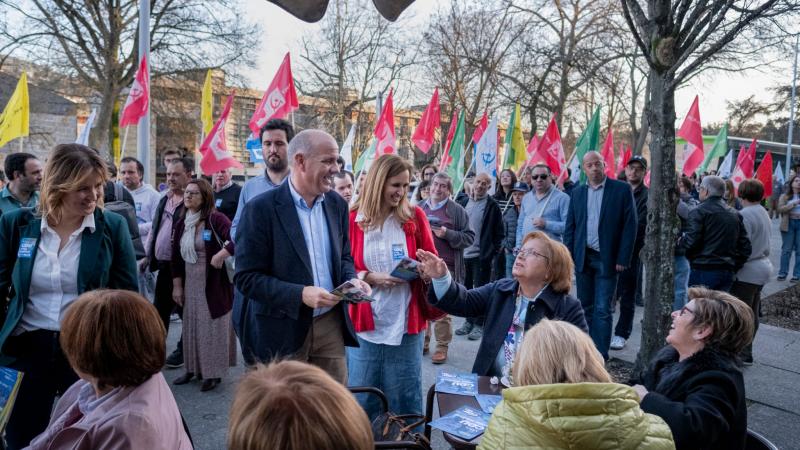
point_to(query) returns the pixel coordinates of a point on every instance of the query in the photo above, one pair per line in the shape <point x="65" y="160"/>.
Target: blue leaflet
<point x="457" y="383"/>
<point x="488" y="402"/>
<point x="465" y="422"/>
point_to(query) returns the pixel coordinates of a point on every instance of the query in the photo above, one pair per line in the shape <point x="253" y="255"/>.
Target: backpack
<point x="127" y="211"/>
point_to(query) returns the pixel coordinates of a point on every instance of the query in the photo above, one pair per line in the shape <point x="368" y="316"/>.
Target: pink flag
<point x="428" y="123"/>
<point x="692" y="131"/>
<point x="384" y="129"/>
<point x="476" y="136"/>
<point x="745" y="163"/>
<point x="279" y="99"/>
<point x="450" y="132"/>
<point x="214" y="151"/>
<point x="138" y="98"/>
<point x="624" y="157"/>
<point x="533" y="152"/>
<point x="647" y="179"/>
<point x="550" y="146"/>
<point x="608" y="154"/>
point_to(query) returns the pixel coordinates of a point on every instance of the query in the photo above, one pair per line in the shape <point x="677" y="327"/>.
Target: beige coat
<point x="783" y="209"/>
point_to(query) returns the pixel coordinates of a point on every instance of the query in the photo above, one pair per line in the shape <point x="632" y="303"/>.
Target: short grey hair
<point x="714" y="185"/>
<point x="303" y="142"/>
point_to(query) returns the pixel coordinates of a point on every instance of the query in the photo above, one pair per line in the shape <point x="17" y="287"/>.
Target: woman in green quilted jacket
<point x="564" y="398"/>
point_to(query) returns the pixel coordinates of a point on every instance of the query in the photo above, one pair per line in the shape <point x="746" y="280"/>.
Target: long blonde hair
<point x="370" y="202"/>
<point x="558" y="352"/>
<point x="67" y="168"/>
<point x="292" y="405"/>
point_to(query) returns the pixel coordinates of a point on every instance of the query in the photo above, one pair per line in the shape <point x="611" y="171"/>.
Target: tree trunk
<point x="645" y="128"/>
<point x="662" y="221"/>
<point x="100" y="135"/>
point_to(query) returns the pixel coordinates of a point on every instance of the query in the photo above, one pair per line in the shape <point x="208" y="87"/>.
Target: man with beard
<point x="24" y="172"/>
<point x="275" y="137"/>
<point x="343" y="184"/>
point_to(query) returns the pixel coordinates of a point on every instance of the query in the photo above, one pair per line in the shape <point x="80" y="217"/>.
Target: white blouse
<point x="383" y="248"/>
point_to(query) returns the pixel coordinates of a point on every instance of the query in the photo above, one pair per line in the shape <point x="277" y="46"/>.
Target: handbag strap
<point x="214" y="232"/>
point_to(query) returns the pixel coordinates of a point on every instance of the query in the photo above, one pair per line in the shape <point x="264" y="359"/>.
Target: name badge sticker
<point x="207" y="235"/>
<point x="218" y="203"/>
<point x="398" y="252"/>
<point x="26" y="247"/>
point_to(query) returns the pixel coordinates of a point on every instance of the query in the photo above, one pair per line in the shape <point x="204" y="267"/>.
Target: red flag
<point x="764" y="173"/>
<point x="608" y="154"/>
<point x="745" y="163"/>
<point x="138" y="98"/>
<point x="692" y="131"/>
<point x="428" y="123"/>
<point x="533" y="152"/>
<point x="279" y="99"/>
<point x="450" y="132"/>
<point x="550" y="146"/>
<point x="624" y="157"/>
<point x="476" y="136"/>
<point x="214" y="151"/>
<point x="647" y="179"/>
<point x="384" y="129"/>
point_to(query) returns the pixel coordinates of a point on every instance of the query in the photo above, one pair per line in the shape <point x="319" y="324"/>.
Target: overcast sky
<point x="283" y="32"/>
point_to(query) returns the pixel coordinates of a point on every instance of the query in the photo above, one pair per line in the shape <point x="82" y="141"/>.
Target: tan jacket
<point x="579" y="416"/>
<point x="783" y="209"/>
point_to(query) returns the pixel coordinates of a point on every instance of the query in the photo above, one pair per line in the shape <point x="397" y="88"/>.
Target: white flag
<point x="575" y="168"/>
<point x="347" y="149"/>
<point x="486" y="154"/>
<point x="726" y="168"/>
<point x="83" y="138"/>
<point x="779" y="176"/>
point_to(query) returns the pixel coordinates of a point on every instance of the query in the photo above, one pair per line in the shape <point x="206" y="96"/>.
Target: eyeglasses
<point x="542" y="176"/>
<point x="190" y="193"/>
<point x="525" y="254"/>
<point x="685" y="310"/>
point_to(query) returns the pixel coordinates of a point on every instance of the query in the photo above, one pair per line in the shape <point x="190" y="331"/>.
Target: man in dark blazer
<point x="600" y="233"/>
<point x="293" y="249"/>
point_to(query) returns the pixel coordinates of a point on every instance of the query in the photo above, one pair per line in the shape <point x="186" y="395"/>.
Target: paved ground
<point x="771" y="383"/>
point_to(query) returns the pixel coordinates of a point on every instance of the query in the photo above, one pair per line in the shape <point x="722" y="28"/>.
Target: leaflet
<point x="465" y="422"/>
<point x="457" y="383"/>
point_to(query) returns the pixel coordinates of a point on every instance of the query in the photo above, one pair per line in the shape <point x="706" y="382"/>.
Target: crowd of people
<point x="259" y="262"/>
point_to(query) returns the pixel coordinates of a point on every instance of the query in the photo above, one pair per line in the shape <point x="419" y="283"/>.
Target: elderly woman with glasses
<point x="542" y="278"/>
<point x="695" y="383"/>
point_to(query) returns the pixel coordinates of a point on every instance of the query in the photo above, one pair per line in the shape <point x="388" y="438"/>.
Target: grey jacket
<point x="460" y="237"/>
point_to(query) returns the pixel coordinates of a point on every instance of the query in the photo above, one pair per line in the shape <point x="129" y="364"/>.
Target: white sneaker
<point x="617" y="343"/>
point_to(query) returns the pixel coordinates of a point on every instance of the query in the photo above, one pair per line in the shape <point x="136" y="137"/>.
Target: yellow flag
<point x="207" y="105"/>
<point x="514" y="151"/>
<point x="14" y="119"/>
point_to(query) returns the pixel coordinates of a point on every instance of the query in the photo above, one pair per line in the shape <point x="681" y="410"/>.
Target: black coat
<point x="496" y="302"/>
<point x="701" y="398"/>
<point x="716" y="238"/>
<point x="492" y="231"/>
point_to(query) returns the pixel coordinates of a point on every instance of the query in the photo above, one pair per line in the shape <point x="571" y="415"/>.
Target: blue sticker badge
<point x="26" y="247"/>
<point x="206" y="235"/>
<point x="218" y="203"/>
<point x="398" y="252"/>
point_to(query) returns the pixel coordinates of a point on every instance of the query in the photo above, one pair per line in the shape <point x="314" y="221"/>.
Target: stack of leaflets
<point x="351" y="293"/>
<point x="10" y="380"/>
<point x="488" y="402"/>
<point x="406" y="269"/>
<point x="457" y="383"/>
<point x="465" y="422"/>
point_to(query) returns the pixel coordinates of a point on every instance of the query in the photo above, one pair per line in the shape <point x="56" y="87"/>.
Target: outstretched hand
<point x="430" y="265"/>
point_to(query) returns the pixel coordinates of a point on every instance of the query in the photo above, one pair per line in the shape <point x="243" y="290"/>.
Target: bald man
<point x="293" y="249"/>
<point x="600" y="233"/>
<point x="486" y="221"/>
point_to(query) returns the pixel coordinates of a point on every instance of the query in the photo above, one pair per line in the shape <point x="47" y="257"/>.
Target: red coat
<point x="418" y="235"/>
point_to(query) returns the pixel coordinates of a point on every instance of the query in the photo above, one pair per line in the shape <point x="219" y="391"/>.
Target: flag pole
<point x="124" y="140"/>
<point x="791" y="111"/>
<point x="143" y="130"/>
<point x="21" y="138"/>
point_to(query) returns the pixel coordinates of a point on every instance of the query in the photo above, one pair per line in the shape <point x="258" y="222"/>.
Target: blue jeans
<point x="791" y="244"/>
<point x="394" y="369"/>
<point x="595" y="293"/>
<point x="718" y="280"/>
<point x="682" y="270"/>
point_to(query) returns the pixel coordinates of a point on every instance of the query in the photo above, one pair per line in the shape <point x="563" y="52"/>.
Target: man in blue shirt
<point x="544" y="208"/>
<point x="24" y="172"/>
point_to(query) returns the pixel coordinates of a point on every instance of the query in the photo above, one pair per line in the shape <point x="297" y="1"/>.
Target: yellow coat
<point x="579" y="416"/>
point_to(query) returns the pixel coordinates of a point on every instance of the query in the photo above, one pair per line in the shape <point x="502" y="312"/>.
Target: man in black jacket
<point x="716" y="241"/>
<point x="486" y="220"/>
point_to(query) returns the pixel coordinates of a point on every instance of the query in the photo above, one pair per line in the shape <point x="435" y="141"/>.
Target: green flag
<point x="365" y="159"/>
<point x="515" y="154"/>
<point x="719" y="150"/>
<point x="457" y="154"/>
<point x="588" y="140"/>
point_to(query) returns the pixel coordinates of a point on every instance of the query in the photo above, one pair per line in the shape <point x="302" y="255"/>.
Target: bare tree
<point x="94" y="41"/>
<point x="678" y="38"/>
<point x="355" y="55"/>
<point x="742" y="115"/>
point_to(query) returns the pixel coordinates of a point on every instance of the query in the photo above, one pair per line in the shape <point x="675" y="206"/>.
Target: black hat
<point x="639" y="159"/>
<point x="520" y="187"/>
